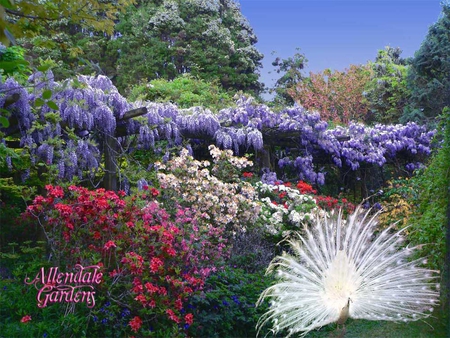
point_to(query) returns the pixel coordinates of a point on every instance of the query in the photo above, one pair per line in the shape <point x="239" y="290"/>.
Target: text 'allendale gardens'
<point x="66" y="287"/>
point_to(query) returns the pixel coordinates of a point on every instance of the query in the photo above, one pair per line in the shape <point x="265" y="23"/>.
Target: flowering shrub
<point x="284" y="208"/>
<point x="396" y="208"/>
<point x="152" y="260"/>
<point x="331" y="203"/>
<point x="218" y="197"/>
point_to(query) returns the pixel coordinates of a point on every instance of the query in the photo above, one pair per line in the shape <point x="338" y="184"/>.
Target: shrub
<point x="186" y="92"/>
<point x="151" y="260"/>
<point x="219" y="198"/>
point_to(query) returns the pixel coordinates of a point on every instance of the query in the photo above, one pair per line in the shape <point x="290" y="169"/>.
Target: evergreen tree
<point x="386" y="93"/>
<point x="428" y="76"/>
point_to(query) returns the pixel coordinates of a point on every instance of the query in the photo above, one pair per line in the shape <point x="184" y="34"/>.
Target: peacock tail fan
<point x="344" y="265"/>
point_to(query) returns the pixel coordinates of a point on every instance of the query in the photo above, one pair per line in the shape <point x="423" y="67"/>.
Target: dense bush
<point x="151" y="261"/>
<point x="185" y="91"/>
<point x="430" y="214"/>
<point x="226" y="307"/>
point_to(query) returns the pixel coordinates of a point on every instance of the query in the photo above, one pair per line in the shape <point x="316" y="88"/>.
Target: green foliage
<point x="185" y="91"/>
<point x="386" y="93"/>
<point x="12" y="63"/>
<point x="428" y="77"/>
<point x="18" y="299"/>
<point x="429" y="219"/>
<point x="29" y="17"/>
<point x="164" y="39"/>
<point x="226" y="308"/>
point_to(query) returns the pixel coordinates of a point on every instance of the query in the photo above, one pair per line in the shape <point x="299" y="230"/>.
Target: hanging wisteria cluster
<point x="91" y="108"/>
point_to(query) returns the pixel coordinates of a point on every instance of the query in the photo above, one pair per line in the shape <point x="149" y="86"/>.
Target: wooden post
<point x="110" y="151"/>
<point x="111" y="147"/>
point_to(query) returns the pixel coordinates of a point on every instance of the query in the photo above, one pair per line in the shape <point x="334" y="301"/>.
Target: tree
<point x="337" y="96"/>
<point x="428" y="75"/>
<point x="386" y="93"/>
<point x="291" y="70"/>
<point x="208" y="39"/>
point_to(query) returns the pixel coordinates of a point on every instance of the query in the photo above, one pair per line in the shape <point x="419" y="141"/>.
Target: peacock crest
<point x="339" y="269"/>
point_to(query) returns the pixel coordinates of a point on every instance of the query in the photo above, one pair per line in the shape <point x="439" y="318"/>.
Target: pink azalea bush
<point x="152" y="261"/>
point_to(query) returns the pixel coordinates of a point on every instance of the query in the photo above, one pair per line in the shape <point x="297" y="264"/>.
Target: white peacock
<point x="340" y="269"/>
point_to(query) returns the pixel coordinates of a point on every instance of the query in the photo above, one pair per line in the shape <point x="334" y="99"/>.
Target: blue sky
<point x="337" y="33"/>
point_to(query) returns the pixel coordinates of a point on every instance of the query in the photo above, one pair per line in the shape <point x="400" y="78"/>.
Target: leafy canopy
<point x="336" y="95"/>
<point x="386" y="93"/>
<point x="31" y="17"/>
<point x="208" y="39"/>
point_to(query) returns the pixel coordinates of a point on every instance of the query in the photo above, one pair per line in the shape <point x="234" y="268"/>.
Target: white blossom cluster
<point x="282" y="219"/>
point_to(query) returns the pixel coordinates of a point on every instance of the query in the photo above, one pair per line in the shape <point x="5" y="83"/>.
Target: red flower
<point x="114" y="273"/>
<point x="155" y="192"/>
<point x="25" y="319"/>
<point x="247" y="175"/>
<point x="96" y="235"/>
<point x="150" y="287"/>
<point x="135" y="323"/>
<point x="141" y="298"/>
<point x="305" y="188"/>
<point x="189" y="318"/>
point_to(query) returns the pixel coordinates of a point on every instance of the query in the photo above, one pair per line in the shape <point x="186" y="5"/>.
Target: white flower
<point x="338" y="264"/>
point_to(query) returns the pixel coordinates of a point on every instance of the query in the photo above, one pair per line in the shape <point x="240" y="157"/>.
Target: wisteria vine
<point x="91" y="108"/>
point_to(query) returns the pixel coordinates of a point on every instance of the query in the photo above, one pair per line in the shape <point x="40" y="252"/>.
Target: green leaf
<point x="6" y="4"/>
<point x="4" y="112"/>
<point x="39" y="102"/>
<point x="52" y="105"/>
<point x="9" y="66"/>
<point x="4" y="121"/>
<point x="43" y="68"/>
<point x="47" y="94"/>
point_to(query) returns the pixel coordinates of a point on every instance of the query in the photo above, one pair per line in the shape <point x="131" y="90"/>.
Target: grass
<point x="430" y="328"/>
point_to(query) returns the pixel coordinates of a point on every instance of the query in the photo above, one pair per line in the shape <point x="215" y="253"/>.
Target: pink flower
<point x="173" y="316"/>
<point x="110" y="244"/>
<point x="189" y="318"/>
<point x="155" y="264"/>
<point x="25" y="319"/>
